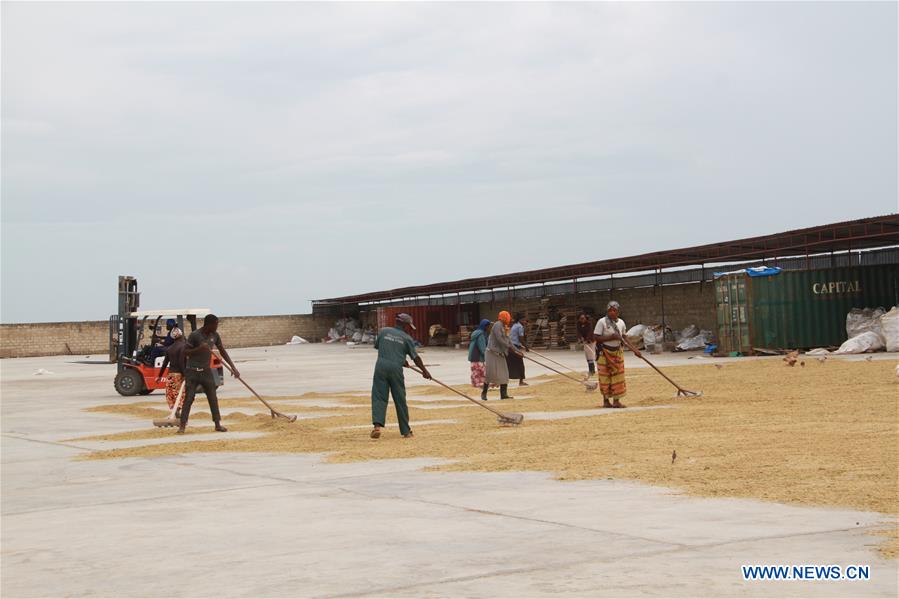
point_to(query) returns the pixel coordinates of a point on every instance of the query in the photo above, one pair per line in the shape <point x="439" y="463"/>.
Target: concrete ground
<point x="240" y="525"/>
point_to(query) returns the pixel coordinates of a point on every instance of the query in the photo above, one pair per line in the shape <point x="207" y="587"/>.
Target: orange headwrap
<point x="505" y="317"/>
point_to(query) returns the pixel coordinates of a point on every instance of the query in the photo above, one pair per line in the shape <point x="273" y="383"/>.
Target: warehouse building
<point x="824" y="272"/>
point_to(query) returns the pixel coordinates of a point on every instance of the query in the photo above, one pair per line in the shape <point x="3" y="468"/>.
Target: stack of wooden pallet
<point x="538" y="335"/>
<point x="554" y="334"/>
<point x="567" y="325"/>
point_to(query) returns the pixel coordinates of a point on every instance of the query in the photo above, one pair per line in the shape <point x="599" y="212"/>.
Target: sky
<point x="252" y="157"/>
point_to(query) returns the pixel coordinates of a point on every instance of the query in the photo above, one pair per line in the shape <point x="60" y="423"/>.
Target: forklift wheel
<point x="129" y="382"/>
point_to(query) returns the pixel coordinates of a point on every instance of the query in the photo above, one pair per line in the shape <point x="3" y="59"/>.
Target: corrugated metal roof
<point x="694" y="275"/>
<point x="866" y="233"/>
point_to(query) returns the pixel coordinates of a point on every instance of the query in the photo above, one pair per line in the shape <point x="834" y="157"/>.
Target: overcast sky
<point x="251" y="157"/>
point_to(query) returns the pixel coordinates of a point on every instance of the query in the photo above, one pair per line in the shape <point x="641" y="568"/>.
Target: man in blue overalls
<point x="393" y="345"/>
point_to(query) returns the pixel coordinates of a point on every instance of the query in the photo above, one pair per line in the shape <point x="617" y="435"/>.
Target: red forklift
<point x="138" y="365"/>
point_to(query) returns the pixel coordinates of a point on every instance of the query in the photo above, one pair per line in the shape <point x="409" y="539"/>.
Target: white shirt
<point x="605" y="327"/>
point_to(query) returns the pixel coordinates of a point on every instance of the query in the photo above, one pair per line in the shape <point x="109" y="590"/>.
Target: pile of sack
<point x="349" y="329"/>
<point x="635" y="335"/>
<point x="692" y="338"/>
<point x="871" y="330"/>
<point x="643" y="336"/>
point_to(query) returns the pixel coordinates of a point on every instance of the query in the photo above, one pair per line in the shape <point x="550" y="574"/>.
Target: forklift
<point x="138" y="365"/>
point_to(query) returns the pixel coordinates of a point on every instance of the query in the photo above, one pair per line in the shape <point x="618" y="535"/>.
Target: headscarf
<point x="505" y="318"/>
<point x="484" y="324"/>
<point x="176" y="333"/>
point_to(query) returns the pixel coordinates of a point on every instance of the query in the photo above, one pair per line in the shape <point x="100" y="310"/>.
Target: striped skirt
<point x="610" y="371"/>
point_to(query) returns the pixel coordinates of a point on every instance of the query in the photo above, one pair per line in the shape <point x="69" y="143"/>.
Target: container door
<point x="732" y="313"/>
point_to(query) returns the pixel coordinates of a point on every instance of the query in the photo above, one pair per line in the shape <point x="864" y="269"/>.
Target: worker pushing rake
<point x="609" y="335"/>
<point x="395" y="345"/>
<point x="200" y="347"/>
<point x="610" y="342"/>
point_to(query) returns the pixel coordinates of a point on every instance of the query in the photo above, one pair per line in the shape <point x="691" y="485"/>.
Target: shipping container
<point x="423" y="317"/>
<point x="798" y="309"/>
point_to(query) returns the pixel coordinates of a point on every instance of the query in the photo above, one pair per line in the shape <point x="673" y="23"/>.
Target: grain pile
<point x="824" y="435"/>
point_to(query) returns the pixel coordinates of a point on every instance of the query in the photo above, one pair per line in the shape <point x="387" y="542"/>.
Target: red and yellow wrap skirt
<point x="610" y="371"/>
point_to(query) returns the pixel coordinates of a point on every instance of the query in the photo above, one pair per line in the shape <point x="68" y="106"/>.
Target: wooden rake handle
<point x="566" y="375"/>
<point x="179" y="400"/>
<point x="654" y="367"/>
<point x="259" y="397"/>
<point x="457" y="392"/>
<point x="548" y="358"/>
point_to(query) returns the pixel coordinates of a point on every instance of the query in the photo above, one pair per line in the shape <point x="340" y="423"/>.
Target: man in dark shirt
<point x="174" y="360"/>
<point x="197" y="371"/>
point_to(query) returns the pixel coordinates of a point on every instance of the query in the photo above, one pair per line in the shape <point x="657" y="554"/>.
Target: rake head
<point x="166" y="422"/>
<point x="590" y="385"/>
<point x="276" y="414"/>
<point x="510" y="419"/>
<point x="687" y="393"/>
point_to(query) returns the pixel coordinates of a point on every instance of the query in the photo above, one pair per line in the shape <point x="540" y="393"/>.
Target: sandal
<point x="376" y="433"/>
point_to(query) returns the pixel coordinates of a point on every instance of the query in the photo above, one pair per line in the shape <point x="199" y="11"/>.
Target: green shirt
<point x="393" y="346"/>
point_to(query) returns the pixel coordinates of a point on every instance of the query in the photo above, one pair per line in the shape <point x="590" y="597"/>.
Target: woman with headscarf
<point x="174" y="361"/>
<point x="498" y="347"/>
<point x="518" y="337"/>
<point x="477" y="354"/>
<point x="609" y="331"/>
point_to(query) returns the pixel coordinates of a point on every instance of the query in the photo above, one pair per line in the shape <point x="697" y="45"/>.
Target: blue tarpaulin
<point x="755" y="271"/>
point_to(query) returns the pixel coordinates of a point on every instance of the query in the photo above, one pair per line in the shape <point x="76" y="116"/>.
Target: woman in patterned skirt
<point x="477" y="354"/>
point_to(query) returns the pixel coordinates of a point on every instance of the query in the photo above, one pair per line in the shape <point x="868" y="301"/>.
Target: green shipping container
<point x="798" y="309"/>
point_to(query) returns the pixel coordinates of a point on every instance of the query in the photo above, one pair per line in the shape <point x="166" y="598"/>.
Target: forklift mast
<point x="123" y="331"/>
